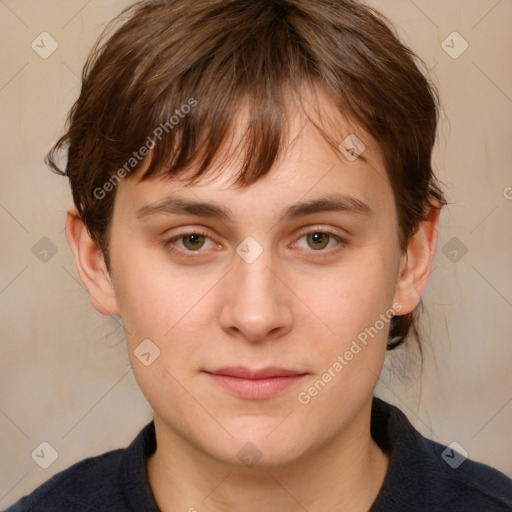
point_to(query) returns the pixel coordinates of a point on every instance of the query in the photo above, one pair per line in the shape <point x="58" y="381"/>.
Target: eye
<point x="192" y="242"/>
<point x="195" y="242"/>
<point x="318" y="240"/>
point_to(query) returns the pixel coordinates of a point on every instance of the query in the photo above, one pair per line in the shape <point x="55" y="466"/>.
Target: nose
<point x="256" y="305"/>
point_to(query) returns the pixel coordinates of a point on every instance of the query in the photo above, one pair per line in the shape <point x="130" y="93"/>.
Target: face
<point x="303" y="293"/>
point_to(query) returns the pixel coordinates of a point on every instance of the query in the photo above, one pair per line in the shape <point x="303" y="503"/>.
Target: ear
<point x="417" y="260"/>
<point x="90" y="264"/>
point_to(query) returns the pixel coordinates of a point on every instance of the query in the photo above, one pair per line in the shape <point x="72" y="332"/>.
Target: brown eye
<point x="318" y="240"/>
<point x="193" y="241"/>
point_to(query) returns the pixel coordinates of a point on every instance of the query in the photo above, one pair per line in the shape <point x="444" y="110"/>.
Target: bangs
<point x="181" y="96"/>
<point x="251" y="67"/>
<point x="248" y="124"/>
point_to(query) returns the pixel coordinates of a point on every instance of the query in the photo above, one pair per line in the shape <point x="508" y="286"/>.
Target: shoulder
<point x="459" y="483"/>
<point x="89" y="484"/>
<point x="114" y="481"/>
<point x="425" y="475"/>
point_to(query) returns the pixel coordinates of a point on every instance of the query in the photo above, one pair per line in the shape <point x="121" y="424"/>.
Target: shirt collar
<point x="390" y="429"/>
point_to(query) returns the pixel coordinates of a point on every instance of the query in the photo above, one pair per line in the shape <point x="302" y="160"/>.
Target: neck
<point x="345" y="474"/>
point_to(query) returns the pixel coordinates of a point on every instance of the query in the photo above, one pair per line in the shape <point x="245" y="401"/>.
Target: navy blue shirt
<point x="419" y="478"/>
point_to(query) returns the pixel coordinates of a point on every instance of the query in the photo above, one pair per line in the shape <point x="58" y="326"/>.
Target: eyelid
<point x="169" y="242"/>
<point x="322" y="229"/>
<point x="340" y="239"/>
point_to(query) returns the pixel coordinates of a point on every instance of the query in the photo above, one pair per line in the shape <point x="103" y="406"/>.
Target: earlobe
<point x="90" y="264"/>
<point x="416" y="262"/>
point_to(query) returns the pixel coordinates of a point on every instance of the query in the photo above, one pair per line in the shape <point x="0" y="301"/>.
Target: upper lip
<point x="263" y="373"/>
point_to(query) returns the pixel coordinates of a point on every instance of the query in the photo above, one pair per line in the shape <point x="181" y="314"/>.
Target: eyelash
<point x="168" y="244"/>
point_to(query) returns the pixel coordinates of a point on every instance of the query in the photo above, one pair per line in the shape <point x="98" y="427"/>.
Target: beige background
<point x="64" y="372"/>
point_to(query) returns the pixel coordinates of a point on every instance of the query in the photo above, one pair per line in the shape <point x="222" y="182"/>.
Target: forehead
<point x="312" y="164"/>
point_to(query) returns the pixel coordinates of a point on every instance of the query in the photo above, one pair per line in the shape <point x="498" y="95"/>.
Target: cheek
<point x="154" y="299"/>
<point x="354" y="306"/>
<point x="352" y="296"/>
<point x="169" y="308"/>
<point x="163" y="308"/>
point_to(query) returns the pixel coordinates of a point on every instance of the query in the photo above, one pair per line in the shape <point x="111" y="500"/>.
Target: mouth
<point x="255" y="384"/>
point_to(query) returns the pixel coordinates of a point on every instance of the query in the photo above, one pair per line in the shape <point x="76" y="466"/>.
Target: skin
<point x="294" y="307"/>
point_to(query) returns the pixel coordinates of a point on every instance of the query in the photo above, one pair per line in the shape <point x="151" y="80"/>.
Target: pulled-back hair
<point x="182" y="68"/>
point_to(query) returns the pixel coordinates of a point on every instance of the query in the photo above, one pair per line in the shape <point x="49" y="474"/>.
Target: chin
<point x="258" y="457"/>
<point x="265" y="444"/>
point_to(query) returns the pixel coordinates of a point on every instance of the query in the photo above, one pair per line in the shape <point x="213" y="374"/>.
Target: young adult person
<point x="254" y="197"/>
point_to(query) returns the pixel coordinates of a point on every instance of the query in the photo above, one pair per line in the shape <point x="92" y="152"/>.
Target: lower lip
<point x="256" y="389"/>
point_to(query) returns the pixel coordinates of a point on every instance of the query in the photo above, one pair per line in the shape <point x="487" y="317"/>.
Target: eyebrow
<point x="331" y="202"/>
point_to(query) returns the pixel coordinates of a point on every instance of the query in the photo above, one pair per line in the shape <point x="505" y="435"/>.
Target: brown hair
<point x="211" y="54"/>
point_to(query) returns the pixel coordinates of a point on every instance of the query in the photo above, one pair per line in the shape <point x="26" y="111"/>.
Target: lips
<point x="264" y="373"/>
<point x="255" y="384"/>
